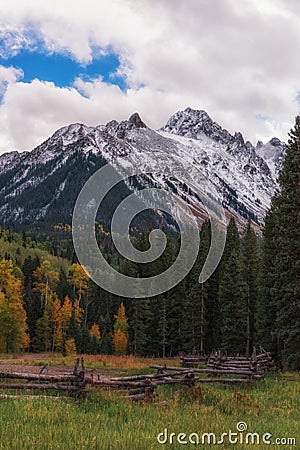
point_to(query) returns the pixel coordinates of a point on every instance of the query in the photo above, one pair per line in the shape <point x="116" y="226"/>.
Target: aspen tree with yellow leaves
<point x="79" y="280"/>
<point x="95" y="331"/>
<point x="120" y="338"/>
<point x="13" y="327"/>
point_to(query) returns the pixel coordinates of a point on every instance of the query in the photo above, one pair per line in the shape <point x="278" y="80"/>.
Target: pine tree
<point x="24" y="239"/>
<point x="176" y="300"/>
<point x="32" y="304"/>
<point x="233" y="242"/>
<point x="199" y="291"/>
<point x="163" y="325"/>
<point x="233" y="306"/>
<point x="214" y="301"/>
<point x="266" y="305"/>
<point x="251" y="265"/>
<point x="138" y="327"/>
<point x="63" y="288"/>
<point x="232" y="295"/>
<point x="106" y="341"/>
<point x="213" y="313"/>
<point x="286" y="267"/>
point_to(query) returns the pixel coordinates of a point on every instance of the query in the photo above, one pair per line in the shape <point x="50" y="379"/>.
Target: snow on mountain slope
<point x="43" y="184"/>
<point x="230" y="163"/>
<point x="273" y="154"/>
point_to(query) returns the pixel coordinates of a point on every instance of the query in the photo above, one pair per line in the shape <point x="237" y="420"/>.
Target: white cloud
<point x="237" y="60"/>
<point x="33" y="111"/>
<point x="8" y="75"/>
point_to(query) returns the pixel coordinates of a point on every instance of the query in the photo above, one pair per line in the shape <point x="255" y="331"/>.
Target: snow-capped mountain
<point x="42" y="185"/>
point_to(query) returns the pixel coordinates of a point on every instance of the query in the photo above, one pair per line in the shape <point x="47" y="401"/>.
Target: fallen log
<point x="229" y="359"/>
<point x="141" y="378"/>
<point x="232" y="368"/>
<point x="234" y="358"/>
<point x="112" y="383"/>
<point x="39" y="377"/>
<point x="230" y="363"/>
<point x="210" y="371"/>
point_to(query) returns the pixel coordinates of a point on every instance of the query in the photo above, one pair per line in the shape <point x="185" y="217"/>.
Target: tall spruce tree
<point x="251" y="264"/>
<point x="266" y="306"/>
<point x="196" y="308"/>
<point x="176" y="301"/>
<point x="232" y="295"/>
<point x="213" y="315"/>
<point x="233" y="306"/>
<point x="286" y="268"/>
<point x="139" y="326"/>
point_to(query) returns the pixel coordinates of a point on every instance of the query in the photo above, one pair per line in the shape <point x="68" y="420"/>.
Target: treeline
<point x="67" y="312"/>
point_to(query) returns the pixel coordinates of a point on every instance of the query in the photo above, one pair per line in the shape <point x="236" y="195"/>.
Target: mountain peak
<point x="273" y="153"/>
<point x="199" y="113"/>
<point x="276" y="142"/>
<point x="119" y="129"/>
<point x="136" y="121"/>
<point x="195" y="123"/>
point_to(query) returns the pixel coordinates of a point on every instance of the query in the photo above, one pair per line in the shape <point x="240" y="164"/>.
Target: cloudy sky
<point x="92" y="61"/>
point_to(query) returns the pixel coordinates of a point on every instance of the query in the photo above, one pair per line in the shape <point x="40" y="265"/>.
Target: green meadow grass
<point x="104" y="420"/>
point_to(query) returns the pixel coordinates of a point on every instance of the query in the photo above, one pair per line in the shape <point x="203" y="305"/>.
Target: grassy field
<point x="104" y="420"/>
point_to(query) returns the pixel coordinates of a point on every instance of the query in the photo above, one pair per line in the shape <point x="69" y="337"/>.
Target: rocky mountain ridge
<point x="42" y="185"/>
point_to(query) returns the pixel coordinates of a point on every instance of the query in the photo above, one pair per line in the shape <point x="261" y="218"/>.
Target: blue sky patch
<point x="62" y="70"/>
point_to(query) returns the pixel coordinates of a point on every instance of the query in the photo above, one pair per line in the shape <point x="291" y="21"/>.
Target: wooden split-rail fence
<point x="219" y="369"/>
<point x="72" y="383"/>
<point x="79" y="382"/>
<point x="143" y="387"/>
<point x="256" y="364"/>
